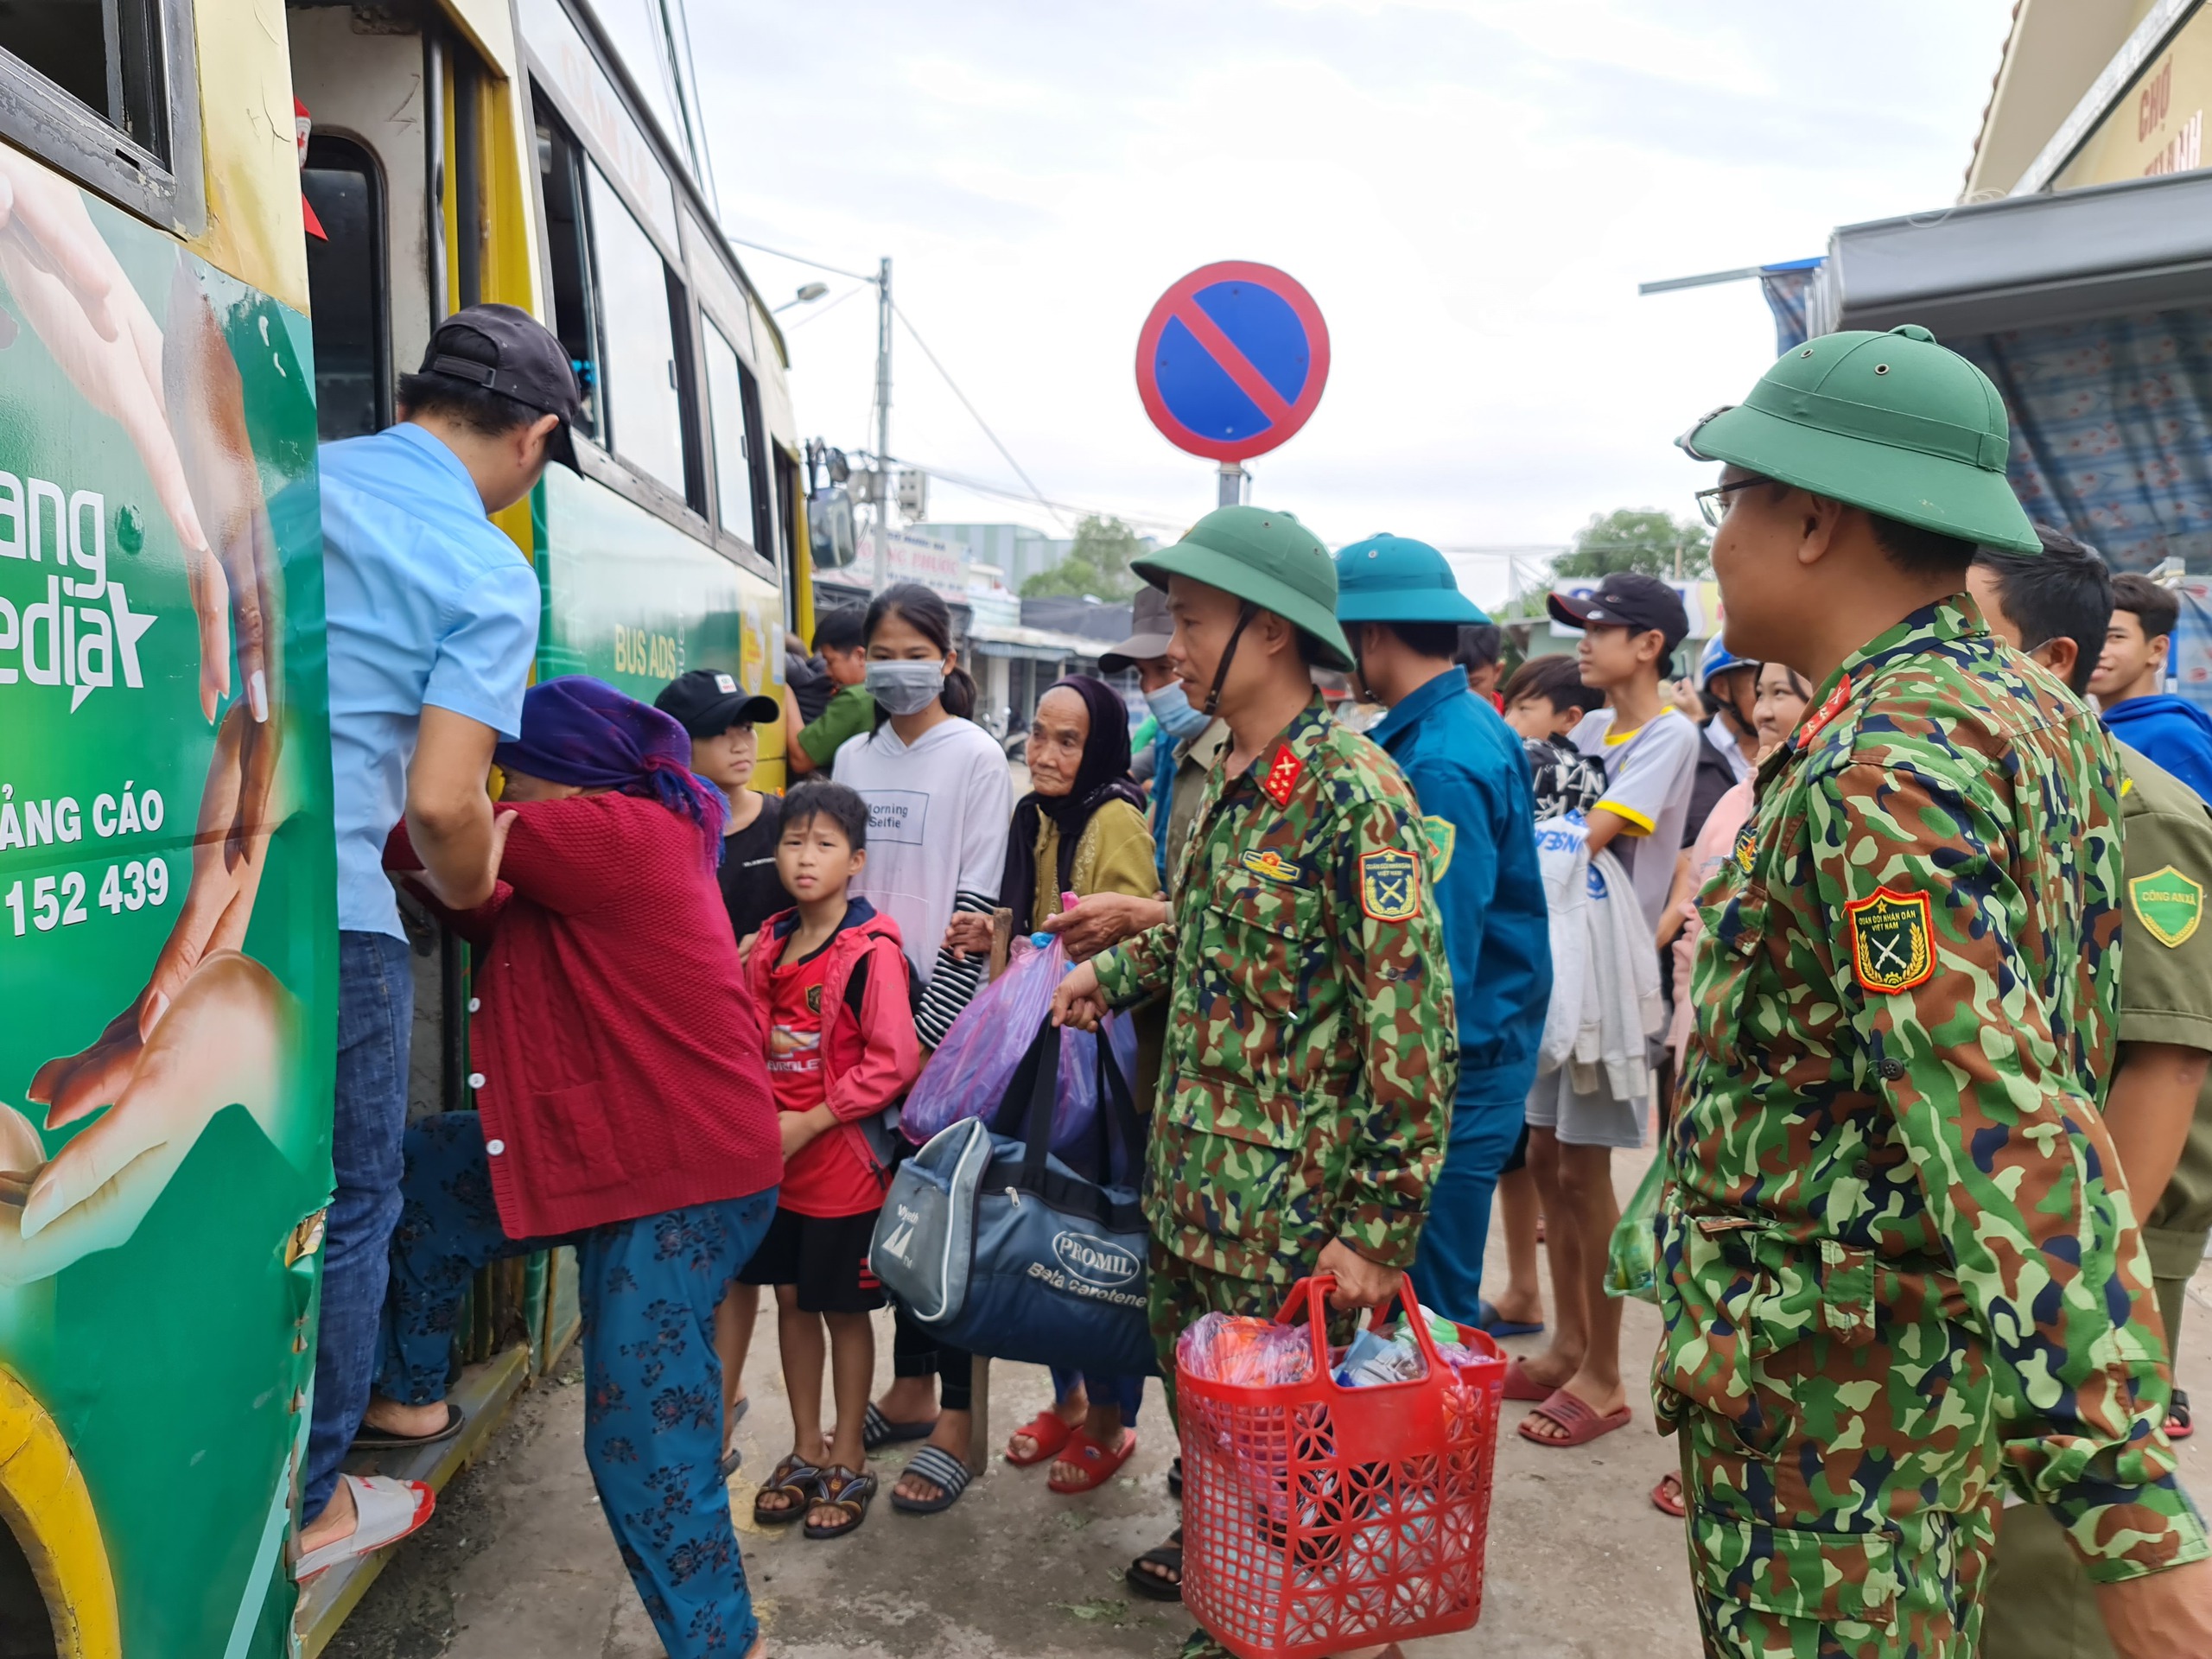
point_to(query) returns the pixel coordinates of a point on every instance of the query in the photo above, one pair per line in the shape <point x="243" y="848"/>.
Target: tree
<point x="1098" y="564"/>
<point x="1642" y="540"/>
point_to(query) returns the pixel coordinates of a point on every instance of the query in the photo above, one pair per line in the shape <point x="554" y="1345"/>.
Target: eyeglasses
<point x="1713" y="503"/>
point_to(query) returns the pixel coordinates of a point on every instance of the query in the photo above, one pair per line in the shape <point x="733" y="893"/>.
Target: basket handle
<point x="1309" y="1297"/>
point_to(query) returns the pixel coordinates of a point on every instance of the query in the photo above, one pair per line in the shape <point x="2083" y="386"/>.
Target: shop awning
<point x="2142" y="245"/>
<point x="1036" y="644"/>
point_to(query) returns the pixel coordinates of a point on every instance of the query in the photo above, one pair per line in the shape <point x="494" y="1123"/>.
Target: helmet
<point x="1717" y="660"/>
<point x="1890" y="423"/>
<point x="1263" y="556"/>
<point x="1392" y="579"/>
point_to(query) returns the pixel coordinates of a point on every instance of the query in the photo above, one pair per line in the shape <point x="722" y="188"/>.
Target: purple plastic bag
<point x="968" y="1075"/>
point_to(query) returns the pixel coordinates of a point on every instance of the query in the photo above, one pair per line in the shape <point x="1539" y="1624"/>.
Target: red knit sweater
<point x="615" y="1050"/>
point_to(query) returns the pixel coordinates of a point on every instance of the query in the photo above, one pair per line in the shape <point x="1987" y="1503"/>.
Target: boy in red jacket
<point x="835" y="980"/>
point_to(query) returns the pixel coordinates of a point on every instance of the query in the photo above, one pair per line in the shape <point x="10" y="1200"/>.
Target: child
<point x="722" y="722"/>
<point x="1545" y="699"/>
<point x="834" y="978"/>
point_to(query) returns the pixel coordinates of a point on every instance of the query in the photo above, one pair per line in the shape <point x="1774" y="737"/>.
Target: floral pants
<point x="653" y="1411"/>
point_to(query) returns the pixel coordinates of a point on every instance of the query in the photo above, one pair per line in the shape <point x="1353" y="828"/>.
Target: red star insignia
<point x="1820" y="716"/>
<point x="1283" y="773"/>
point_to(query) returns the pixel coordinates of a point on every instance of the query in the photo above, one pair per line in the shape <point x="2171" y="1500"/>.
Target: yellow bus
<point x="176" y="333"/>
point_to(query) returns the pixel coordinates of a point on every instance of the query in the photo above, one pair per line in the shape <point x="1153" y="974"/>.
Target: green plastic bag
<point x="1632" y="1257"/>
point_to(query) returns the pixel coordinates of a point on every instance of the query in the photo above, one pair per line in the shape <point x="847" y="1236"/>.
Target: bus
<point x="220" y="241"/>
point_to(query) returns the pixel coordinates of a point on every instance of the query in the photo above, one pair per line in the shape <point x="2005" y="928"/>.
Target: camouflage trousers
<point x="1822" y="1588"/>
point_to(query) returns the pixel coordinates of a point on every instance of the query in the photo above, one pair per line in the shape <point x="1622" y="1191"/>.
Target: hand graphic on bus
<point x="221" y="1043"/>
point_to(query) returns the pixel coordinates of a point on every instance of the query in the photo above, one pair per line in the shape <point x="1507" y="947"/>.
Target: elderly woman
<point x="1080" y="830"/>
<point x="623" y="1107"/>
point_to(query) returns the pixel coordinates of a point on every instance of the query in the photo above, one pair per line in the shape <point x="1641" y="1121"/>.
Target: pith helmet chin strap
<point x="1245" y="612"/>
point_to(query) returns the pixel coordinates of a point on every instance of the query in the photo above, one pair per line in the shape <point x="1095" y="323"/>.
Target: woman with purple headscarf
<point x="623" y="1107"/>
<point x="1081" y="830"/>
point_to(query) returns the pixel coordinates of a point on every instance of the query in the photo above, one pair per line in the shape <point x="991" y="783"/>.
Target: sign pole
<point x="1232" y="485"/>
<point x="883" y="425"/>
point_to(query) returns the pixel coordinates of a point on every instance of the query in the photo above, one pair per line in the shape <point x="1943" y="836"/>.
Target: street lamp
<point x="807" y="294"/>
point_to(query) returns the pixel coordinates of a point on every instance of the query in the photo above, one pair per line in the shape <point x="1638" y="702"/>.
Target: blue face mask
<point x="1174" y="712"/>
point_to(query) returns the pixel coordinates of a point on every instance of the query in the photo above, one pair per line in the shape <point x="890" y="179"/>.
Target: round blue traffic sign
<point x="1232" y="360"/>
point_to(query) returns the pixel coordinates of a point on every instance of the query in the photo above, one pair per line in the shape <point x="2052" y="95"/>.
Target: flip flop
<point x="1049" y="1434"/>
<point x="795" y="1478"/>
<point x="1667" y="1499"/>
<point x="2179" y="1425"/>
<point x="841" y="1489"/>
<point x="1491" y="1323"/>
<point x="943" y="1471"/>
<point x="1151" y="1586"/>
<point x="1579" y="1422"/>
<point x="1097" y="1463"/>
<point x="1519" y="1385"/>
<point x="382" y="1439"/>
<point x="385" y="1511"/>
<point x="878" y="1430"/>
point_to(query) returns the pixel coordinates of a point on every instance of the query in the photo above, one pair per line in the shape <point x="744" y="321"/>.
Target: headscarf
<point x="1100" y="776"/>
<point x="579" y="730"/>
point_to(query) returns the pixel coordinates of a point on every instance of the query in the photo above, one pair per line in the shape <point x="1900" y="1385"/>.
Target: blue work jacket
<point x="1470" y="776"/>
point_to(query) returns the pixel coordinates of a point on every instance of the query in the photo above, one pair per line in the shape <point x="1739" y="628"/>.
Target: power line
<point x="1163" y="521"/>
<point x="816" y="316"/>
<point x="798" y="259"/>
<point x="1035" y="494"/>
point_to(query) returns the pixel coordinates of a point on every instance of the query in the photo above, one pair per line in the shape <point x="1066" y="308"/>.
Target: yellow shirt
<point x="1115" y="855"/>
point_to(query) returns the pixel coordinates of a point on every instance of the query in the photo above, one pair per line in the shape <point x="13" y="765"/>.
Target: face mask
<point x="905" y="688"/>
<point x="1172" y="710"/>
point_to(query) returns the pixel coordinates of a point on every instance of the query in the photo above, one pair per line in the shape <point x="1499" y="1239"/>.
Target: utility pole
<point x="883" y="424"/>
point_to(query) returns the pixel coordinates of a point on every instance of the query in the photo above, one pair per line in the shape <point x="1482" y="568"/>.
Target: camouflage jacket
<point x="1311" y="1051"/>
<point x="1890" y="1233"/>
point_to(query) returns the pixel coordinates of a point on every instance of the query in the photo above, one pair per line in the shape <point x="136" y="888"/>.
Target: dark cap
<point x="505" y="349"/>
<point x="1149" y="617"/>
<point x="1625" y="599"/>
<point x="707" y="702"/>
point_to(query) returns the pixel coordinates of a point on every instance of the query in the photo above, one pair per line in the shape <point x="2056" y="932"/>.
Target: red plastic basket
<point x="1318" y="1518"/>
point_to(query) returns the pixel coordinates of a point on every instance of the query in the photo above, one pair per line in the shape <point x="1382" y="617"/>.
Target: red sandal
<point x="1578" y="1421"/>
<point x="1047" y="1433"/>
<point x="1096" y="1464"/>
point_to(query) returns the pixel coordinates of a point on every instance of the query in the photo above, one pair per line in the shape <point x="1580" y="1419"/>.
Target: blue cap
<point x="1394" y="579"/>
<point x="1717" y="658"/>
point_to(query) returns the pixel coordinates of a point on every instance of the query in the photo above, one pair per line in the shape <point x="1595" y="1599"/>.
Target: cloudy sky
<point x="1471" y="190"/>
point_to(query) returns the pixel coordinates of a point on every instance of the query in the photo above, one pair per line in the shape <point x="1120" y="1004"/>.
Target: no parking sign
<point x="1232" y="360"/>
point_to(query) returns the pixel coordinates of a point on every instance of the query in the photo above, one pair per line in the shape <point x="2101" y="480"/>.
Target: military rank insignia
<point x="1747" y="848"/>
<point x="1831" y="706"/>
<point x="2168" y="905"/>
<point x="1270" y="865"/>
<point x="1283" y="773"/>
<point x="1389" y="885"/>
<point x="1892" y="941"/>
<point x="1438" y="836"/>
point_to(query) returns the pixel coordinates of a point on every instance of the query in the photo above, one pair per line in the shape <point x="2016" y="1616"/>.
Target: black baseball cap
<point x="706" y="703"/>
<point x="1625" y="599"/>
<point x="504" y="349"/>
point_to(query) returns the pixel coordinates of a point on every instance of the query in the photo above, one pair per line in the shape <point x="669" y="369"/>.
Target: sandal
<point x="1519" y="1385"/>
<point x="1578" y="1421"/>
<point x="1153" y="1587"/>
<point x="1666" y="1496"/>
<point x="841" y="1489"/>
<point x="878" y="1430"/>
<point x="795" y="1478"/>
<point x="1048" y="1433"/>
<point x="1491" y="1323"/>
<point x="943" y="1471"/>
<point x="366" y="1439"/>
<point x="385" y="1511"/>
<point x="2179" y="1425"/>
<point x="1095" y="1464"/>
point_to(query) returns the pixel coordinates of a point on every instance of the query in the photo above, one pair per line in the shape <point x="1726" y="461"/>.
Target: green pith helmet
<point x="1395" y="579"/>
<point x="1891" y="423"/>
<point x="1266" y="557"/>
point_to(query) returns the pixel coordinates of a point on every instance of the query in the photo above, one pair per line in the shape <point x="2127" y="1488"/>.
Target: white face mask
<point x="905" y="688"/>
<point x="1171" y="709"/>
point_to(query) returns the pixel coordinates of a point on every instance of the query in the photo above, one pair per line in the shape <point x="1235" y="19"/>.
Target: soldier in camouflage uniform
<point x="1306" y="1089"/>
<point x="1896" y="1279"/>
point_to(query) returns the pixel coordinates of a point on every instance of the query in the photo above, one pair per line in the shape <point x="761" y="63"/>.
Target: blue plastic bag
<point x="969" y="1073"/>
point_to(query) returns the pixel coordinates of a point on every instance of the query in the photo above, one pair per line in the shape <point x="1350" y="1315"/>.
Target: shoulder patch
<point x="2168" y="905"/>
<point x="1389" y="885"/>
<point x="1271" y="865"/>
<point x="1441" y="837"/>
<point x="1747" y="848"/>
<point x="1892" y="941"/>
<point x="1282" y="775"/>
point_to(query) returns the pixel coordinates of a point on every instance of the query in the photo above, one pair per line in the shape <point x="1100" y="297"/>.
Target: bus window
<point x="105" y="54"/>
<point x="734" y="410"/>
<point x="640" y="390"/>
<point x="346" y="284"/>
<point x="560" y="166"/>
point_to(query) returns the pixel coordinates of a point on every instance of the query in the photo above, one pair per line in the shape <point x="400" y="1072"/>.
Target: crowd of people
<point x="1844" y="914"/>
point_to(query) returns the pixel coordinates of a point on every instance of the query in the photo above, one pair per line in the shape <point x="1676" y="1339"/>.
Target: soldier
<point x="2158" y="1108"/>
<point x="1895" y="1273"/>
<point x="1305" y="1093"/>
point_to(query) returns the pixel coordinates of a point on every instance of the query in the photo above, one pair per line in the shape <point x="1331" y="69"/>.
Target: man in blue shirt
<point x="1401" y="610"/>
<point x="433" y="623"/>
<point x="2130" y="674"/>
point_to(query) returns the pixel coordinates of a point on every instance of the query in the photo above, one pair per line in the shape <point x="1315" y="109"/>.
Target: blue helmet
<point x="1716" y="659"/>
